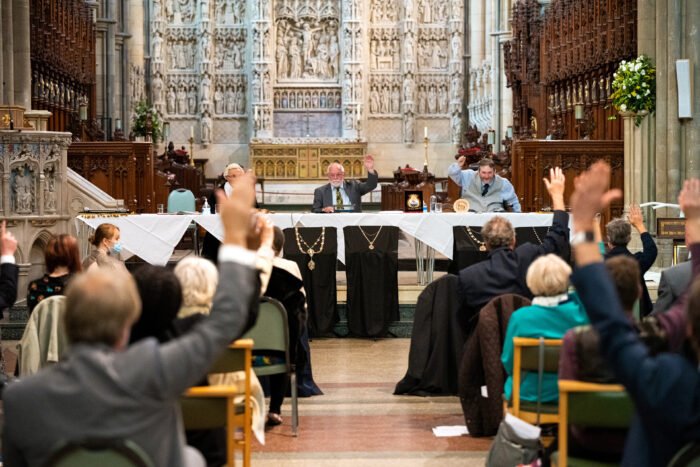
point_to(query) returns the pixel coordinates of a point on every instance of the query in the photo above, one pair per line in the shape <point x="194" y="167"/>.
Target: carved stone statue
<point x="157" y="48"/>
<point x="206" y="125"/>
<point x="24" y="199"/>
<point x="218" y="101"/>
<point x="171" y="101"/>
<point x="50" y="192"/>
<point x="206" y="88"/>
<point x="408" y="125"/>
<point x="192" y="100"/>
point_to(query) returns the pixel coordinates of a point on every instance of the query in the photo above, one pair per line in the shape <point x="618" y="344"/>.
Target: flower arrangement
<point x="143" y="114"/>
<point x="634" y="87"/>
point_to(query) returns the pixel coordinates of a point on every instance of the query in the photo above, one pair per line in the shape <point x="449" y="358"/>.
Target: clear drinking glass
<point x="161" y="208"/>
<point x="438" y="207"/>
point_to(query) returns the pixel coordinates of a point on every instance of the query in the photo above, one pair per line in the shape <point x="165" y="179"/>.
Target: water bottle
<point x="206" y="209"/>
<point x="425" y="207"/>
<point x="433" y="202"/>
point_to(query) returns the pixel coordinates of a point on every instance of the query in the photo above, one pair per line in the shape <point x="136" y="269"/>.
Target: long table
<point x="153" y="237"/>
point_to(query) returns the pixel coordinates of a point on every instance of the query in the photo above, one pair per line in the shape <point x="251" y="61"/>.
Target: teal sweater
<point x="540" y="321"/>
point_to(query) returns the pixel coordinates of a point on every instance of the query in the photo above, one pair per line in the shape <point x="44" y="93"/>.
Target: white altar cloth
<point x="153" y="237"/>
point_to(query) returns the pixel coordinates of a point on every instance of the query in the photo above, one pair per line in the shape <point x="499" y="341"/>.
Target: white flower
<point x="646" y="93"/>
<point x="642" y="72"/>
<point x="637" y="66"/>
<point x="623" y="107"/>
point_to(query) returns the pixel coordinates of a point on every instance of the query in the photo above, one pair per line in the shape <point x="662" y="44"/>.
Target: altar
<point x="153" y="237"/>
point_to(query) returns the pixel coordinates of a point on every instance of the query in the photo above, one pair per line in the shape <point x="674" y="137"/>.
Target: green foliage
<point x="141" y="114"/>
<point x="634" y="87"/>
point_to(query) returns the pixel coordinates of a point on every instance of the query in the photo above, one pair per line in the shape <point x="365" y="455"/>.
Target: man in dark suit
<point x="619" y="233"/>
<point x="674" y="281"/>
<point x="105" y="389"/>
<point x="505" y="268"/>
<point x="341" y="195"/>
<point x="8" y="269"/>
<point x="665" y="388"/>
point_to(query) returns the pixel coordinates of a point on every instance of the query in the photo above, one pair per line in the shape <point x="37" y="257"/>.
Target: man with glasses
<point x="340" y="195"/>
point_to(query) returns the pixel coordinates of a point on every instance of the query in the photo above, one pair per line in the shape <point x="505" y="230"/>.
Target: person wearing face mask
<point x="339" y="195"/>
<point x="485" y="191"/>
<point x="106" y="249"/>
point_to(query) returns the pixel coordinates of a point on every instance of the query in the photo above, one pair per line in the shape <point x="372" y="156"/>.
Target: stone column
<point x="22" y="63"/>
<point x="477" y="21"/>
<point x="8" y="94"/>
<point x="692" y="137"/>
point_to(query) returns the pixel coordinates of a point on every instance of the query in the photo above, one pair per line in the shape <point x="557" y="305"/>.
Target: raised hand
<point x="8" y="244"/>
<point x="636" y="218"/>
<point x="369" y="163"/>
<point x="461" y="161"/>
<point x="591" y="195"/>
<point x="236" y="212"/>
<point x="689" y="199"/>
<point x="555" y="186"/>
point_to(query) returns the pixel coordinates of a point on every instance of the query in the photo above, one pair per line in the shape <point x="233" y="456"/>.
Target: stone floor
<point x="358" y="422"/>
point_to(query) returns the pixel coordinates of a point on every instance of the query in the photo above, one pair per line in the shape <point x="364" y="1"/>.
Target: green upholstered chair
<point x="589" y="405"/>
<point x="99" y="451"/>
<point x="271" y="333"/>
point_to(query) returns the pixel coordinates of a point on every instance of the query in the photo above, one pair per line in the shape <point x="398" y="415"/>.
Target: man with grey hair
<point x="104" y="389"/>
<point x="339" y="195"/>
<point x="483" y="188"/>
<point x="619" y="234"/>
<point x="505" y="269"/>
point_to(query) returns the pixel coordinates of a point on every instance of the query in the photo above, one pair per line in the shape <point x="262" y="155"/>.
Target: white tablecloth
<point x="153" y="237"/>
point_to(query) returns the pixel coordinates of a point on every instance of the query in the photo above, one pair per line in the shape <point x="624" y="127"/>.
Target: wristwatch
<point x="583" y="237"/>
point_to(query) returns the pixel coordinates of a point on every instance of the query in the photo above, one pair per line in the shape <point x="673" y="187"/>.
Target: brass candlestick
<point x="425" y="144"/>
<point x="191" y="141"/>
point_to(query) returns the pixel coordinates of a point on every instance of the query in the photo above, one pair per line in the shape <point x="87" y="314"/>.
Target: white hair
<point x="336" y="164"/>
<point x="548" y="276"/>
<point x="198" y="278"/>
<point x="232" y="166"/>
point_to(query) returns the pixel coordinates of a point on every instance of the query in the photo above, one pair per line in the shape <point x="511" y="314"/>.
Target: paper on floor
<point x="447" y="431"/>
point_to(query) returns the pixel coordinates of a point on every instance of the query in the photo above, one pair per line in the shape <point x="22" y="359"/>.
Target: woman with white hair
<point x="553" y="312"/>
<point x="198" y="278"/>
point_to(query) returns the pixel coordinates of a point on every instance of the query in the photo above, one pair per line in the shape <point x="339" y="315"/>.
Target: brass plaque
<point x="670" y="227"/>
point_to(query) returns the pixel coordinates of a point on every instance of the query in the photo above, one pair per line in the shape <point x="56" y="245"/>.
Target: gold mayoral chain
<point x="371" y="242"/>
<point x="309" y="250"/>
<point x="539" y="240"/>
<point x="480" y="244"/>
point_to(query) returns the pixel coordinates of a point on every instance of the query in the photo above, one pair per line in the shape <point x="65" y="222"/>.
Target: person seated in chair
<point x="339" y="195"/>
<point x="505" y="269"/>
<point x="618" y="237"/>
<point x="663" y="387"/>
<point x="553" y="312"/>
<point x="105" y="389"/>
<point x="485" y="191"/>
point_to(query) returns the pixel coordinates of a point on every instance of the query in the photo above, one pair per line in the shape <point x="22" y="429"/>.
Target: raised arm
<point x="557" y="239"/>
<point x="647" y="256"/>
<point x="510" y="197"/>
<point x="372" y="177"/>
<point x="185" y="360"/>
<point x="454" y="171"/>
<point x="8" y="270"/>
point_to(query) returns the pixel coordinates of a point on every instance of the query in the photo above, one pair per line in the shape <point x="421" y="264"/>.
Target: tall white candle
<point x="425" y="132"/>
<point x="191" y="132"/>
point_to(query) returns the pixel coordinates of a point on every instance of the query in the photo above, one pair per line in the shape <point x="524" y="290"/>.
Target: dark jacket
<point x="664" y="388"/>
<point x="504" y="270"/>
<point x="8" y="285"/>
<point x="481" y="366"/>
<point x="323" y="195"/>
<point x="437" y="340"/>
<point x="674" y="281"/>
<point x="646" y="259"/>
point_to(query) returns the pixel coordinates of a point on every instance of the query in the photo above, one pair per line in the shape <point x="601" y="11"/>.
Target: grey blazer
<point x="672" y="284"/>
<point x="323" y="196"/>
<point x="99" y="392"/>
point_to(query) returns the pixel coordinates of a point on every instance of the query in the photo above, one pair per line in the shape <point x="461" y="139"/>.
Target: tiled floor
<point x="358" y="422"/>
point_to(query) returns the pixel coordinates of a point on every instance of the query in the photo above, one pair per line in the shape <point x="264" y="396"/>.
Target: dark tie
<point x="485" y="189"/>
<point x="338" y="199"/>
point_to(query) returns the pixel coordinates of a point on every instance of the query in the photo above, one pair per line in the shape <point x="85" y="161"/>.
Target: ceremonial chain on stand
<point x="480" y="244"/>
<point x="309" y="250"/>
<point x="371" y="242"/>
<point x="537" y="236"/>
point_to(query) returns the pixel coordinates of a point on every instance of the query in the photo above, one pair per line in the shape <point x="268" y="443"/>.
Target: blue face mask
<point x="116" y="248"/>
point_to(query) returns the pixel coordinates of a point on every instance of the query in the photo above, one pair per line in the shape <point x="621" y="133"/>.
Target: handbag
<point x="517" y="442"/>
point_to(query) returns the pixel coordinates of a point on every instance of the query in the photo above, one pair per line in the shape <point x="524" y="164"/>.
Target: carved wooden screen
<point x="123" y="170"/>
<point x="533" y="159"/>
<point x="565" y="55"/>
<point x="62" y="36"/>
